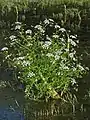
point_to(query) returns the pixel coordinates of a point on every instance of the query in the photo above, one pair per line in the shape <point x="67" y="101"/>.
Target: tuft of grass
<point x="43" y="3"/>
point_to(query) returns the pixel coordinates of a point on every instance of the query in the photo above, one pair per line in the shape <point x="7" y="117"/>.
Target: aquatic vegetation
<point x="63" y="11"/>
<point x="70" y="14"/>
<point x="45" y="59"/>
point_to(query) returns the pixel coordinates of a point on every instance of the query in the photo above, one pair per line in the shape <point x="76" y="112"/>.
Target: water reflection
<point x="11" y="104"/>
<point x="56" y="110"/>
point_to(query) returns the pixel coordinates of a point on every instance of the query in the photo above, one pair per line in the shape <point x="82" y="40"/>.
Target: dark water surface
<point x="14" y="107"/>
<point x="11" y="104"/>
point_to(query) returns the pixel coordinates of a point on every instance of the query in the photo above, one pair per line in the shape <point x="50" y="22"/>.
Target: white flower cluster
<point x="46" y="22"/>
<point x="18" y="25"/>
<point x="49" y="22"/>
<point x="72" y="42"/>
<point x="57" y="57"/>
<point x="62" y="30"/>
<point x="26" y="63"/>
<point x="4" y="49"/>
<point x="39" y="27"/>
<point x="46" y="44"/>
<point x="80" y="67"/>
<point x="30" y="74"/>
<point x="28" y="32"/>
<point x="49" y="55"/>
<point x="48" y="38"/>
<point x="20" y="58"/>
<point x="12" y="37"/>
<point x="55" y="36"/>
<point x="64" y="67"/>
<point x="57" y="54"/>
<point x="73" y="36"/>
<point x="73" y="81"/>
<point x="57" y="27"/>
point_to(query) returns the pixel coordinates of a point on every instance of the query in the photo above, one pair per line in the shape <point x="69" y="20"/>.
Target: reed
<point x="44" y="3"/>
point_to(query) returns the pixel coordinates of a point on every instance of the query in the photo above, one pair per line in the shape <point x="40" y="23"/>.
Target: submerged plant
<point x="46" y="60"/>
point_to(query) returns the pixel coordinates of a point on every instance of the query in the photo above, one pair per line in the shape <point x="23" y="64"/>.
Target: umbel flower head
<point x="4" y="49"/>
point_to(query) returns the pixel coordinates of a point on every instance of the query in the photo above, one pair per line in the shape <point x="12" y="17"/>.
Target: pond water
<point x="11" y="104"/>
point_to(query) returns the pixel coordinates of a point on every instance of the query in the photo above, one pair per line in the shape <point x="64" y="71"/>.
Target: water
<point x="11" y="104"/>
<point x="57" y="110"/>
<point x="14" y="107"/>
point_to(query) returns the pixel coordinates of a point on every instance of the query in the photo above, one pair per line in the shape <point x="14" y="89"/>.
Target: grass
<point x="10" y="3"/>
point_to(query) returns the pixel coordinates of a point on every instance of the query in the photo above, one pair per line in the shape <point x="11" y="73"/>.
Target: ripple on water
<point x="9" y="114"/>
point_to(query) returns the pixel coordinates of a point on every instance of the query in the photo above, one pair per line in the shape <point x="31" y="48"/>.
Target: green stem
<point x="64" y="14"/>
<point x="16" y="13"/>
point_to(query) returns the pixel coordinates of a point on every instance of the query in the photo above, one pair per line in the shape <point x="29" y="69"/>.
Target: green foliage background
<point x="10" y="9"/>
